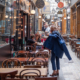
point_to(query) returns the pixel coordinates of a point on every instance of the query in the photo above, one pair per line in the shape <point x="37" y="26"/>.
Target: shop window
<point x="7" y="20"/>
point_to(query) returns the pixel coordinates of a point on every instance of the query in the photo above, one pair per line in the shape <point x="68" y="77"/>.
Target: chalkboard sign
<point x="40" y="3"/>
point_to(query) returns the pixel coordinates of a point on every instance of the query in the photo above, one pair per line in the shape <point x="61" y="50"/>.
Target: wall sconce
<point x="14" y="17"/>
<point x="51" y="20"/>
<point x="32" y="11"/>
<point x="65" y="18"/>
<point x="39" y="17"/>
<point x="6" y="16"/>
<point x="68" y="17"/>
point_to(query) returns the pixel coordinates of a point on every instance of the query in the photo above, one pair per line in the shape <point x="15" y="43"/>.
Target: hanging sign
<point x="60" y="4"/>
<point x="40" y="3"/>
<point x="59" y="12"/>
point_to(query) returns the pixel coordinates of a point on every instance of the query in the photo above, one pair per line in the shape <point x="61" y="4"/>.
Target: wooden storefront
<point x="2" y="16"/>
<point x="75" y="19"/>
<point x="64" y="22"/>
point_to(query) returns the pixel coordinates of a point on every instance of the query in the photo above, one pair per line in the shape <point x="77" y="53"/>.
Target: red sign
<point x="60" y="4"/>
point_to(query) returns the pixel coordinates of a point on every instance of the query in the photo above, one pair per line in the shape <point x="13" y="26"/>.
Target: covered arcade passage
<point x="39" y="39"/>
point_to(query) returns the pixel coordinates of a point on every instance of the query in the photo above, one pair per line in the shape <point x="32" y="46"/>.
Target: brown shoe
<point x="53" y="74"/>
<point x="57" y="74"/>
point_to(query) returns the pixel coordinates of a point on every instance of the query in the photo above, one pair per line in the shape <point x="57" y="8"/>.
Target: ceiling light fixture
<point x="32" y="11"/>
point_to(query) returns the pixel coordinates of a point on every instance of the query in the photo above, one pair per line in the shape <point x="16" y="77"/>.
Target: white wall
<point x="73" y="2"/>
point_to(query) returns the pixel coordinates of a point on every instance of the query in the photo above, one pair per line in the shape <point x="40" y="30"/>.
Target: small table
<point x="43" y="71"/>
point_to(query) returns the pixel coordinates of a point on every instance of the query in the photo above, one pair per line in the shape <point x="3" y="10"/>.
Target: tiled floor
<point x="69" y="71"/>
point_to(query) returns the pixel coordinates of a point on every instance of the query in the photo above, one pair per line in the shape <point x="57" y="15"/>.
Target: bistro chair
<point x="23" y="53"/>
<point x="73" y="43"/>
<point x="9" y="63"/>
<point x="30" y="48"/>
<point x="76" y="46"/>
<point x="42" y="54"/>
<point x="39" y="61"/>
<point x="78" y="51"/>
<point x="65" y="37"/>
<point x="30" y="72"/>
<point x="72" y="36"/>
<point x="12" y="74"/>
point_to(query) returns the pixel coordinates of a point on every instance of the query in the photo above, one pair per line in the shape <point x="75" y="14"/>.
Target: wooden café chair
<point x="73" y="43"/>
<point x="23" y="53"/>
<point x="30" y="73"/>
<point x="30" y="47"/>
<point x="65" y="38"/>
<point x="9" y="63"/>
<point x="39" y="61"/>
<point x="22" y="56"/>
<point x="43" y="53"/>
<point x="78" y="51"/>
<point x="76" y="46"/>
<point x="3" y="76"/>
<point x="72" y="36"/>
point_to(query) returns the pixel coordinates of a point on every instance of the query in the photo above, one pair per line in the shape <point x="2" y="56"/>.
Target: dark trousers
<point x="55" y="62"/>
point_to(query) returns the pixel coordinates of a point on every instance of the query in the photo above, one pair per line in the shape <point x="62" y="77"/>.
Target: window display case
<point x="6" y="20"/>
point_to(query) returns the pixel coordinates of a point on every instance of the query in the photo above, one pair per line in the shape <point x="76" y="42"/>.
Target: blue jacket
<point x="57" y="44"/>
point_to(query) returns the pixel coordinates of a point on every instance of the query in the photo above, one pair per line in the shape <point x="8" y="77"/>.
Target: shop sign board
<point x="60" y="4"/>
<point x="59" y="13"/>
<point x="40" y="3"/>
